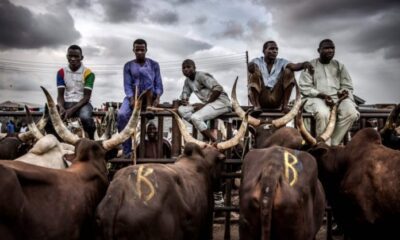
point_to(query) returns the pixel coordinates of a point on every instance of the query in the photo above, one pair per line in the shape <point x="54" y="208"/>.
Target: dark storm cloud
<point x="360" y="25"/>
<point x="82" y="3"/>
<point x="118" y="48"/>
<point x="164" y="17"/>
<point x="384" y="35"/>
<point x="200" y="20"/>
<point x="231" y="29"/>
<point x="122" y="10"/>
<point x="20" y="28"/>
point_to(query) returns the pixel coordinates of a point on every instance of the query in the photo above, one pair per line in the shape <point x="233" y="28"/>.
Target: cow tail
<point x="269" y="181"/>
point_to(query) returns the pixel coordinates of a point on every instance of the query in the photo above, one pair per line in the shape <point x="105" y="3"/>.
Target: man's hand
<point x="68" y="113"/>
<point x="61" y="110"/>
<point x="156" y="101"/>
<point x="198" y="106"/>
<point x="328" y="100"/>
<point x="185" y="102"/>
<point x="252" y="67"/>
<point x="309" y="67"/>
<point x="344" y="94"/>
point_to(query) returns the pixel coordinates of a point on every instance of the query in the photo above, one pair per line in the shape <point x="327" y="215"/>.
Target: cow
<point x="15" y="145"/>
<point x="280" y="195"/>
<point x="390" y="133"/>
<point x="44" y="203"/>
<point x="171" y="201"/>
<point x="362" y="184"/>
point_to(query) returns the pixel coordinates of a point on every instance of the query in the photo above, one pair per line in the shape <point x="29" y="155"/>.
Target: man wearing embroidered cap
<point x="75" y="84"/>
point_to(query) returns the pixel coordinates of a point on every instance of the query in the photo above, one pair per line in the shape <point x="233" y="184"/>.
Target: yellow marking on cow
<point x="289" y="167"/>
<point x="142" y="175"/>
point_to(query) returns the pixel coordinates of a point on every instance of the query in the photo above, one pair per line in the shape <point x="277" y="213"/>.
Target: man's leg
<point x="347" y="114"/>
<point x="148" y="102"/>
<point x="206" y="113"/>
<point x="124" y="114"/>
<point x="320" y="111"/>
<point x="288" y="83"/>
<point x="280" y="93"/>
<point x="254" y="89"/>
<point x="186" y="112"/>
<point x="86" y="116"/>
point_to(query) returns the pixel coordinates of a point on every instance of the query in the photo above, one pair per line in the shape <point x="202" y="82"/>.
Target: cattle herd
<point x="60" y="190"/>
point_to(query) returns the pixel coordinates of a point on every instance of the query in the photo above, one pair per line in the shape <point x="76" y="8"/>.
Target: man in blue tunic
<point x="143" y="73"/>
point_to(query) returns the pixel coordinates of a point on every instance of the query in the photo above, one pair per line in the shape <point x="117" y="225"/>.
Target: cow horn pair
<point x="220" y="146"/>
<point x="277" y="123"/>
<point x="71" y="138"/>
<point x="34" y="129"/>
<point x="328" y="130"/>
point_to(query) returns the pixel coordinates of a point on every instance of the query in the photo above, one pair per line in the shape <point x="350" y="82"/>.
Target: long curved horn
<point x="129" y="129"/>
<point x="238" y="110"/>
<point x="33" y="132"/>
<point x="277" y="123"/>
<point x="300" y="125"/>
<point x="389" y="121"/>
<point x="36" y="132"/>
<point x="328" y="130"/>
<point x="41" y="124"/>
<point x="331" y="124"/>
<point x="184" y="132"/>
<point x="58" y="124"/>
<point x="235" y="140"/>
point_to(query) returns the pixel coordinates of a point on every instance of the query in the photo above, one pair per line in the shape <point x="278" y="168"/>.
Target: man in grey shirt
<point x="214" y="99"/>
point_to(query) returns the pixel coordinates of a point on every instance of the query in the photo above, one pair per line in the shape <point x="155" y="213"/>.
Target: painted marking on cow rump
<point x="291" y="173"/>
<point x="142" y="176"/>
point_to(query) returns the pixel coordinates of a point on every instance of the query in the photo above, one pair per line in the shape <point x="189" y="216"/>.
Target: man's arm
<point x="300" y="66"/>
<point x="306" y="84"/>
<point x="346" y="84"/>
<point x="60" y="91"/>
<point x="212" y="84"/>
<point x="158" y="85"/>
<point x="128" y="83"/>
<point x="60" y="100"/>
<point x="185" y="95"/>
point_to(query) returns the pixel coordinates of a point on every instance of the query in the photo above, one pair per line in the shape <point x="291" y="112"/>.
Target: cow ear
<point x="319" y="150"/>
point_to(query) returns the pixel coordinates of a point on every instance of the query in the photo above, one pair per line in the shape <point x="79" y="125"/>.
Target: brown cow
<point x="362" y="185"/>
<point x="13" y="146"/>
<point x="44" y="203"/>
<point x="280" y="195"/>
<point x="171" y="201"/>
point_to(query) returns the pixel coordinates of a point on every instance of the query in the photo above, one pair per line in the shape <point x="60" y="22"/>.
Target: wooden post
<point x="176" y="134"/>
<point x="160" y="153"/>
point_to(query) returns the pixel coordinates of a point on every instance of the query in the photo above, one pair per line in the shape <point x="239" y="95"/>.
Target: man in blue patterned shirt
<point x="143" y="73"/>
<point x="271" y="79"/>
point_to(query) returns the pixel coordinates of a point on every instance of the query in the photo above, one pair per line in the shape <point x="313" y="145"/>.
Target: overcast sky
<point x="214" y="33"/>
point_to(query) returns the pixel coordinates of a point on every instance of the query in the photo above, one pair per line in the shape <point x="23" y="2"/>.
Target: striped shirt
<point x="75" y="82"/>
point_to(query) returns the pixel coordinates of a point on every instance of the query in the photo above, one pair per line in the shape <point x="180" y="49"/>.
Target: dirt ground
<point x="219" y="230"/>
